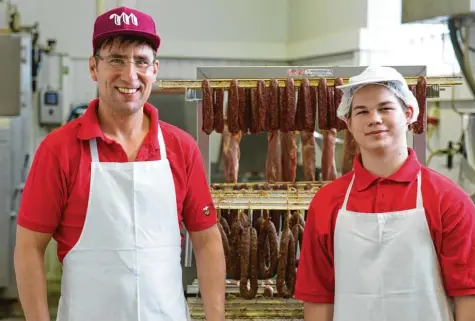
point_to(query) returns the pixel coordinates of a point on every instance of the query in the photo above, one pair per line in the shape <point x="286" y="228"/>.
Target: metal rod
<point x="224" y="83"/>
<point x="203" y="145"/>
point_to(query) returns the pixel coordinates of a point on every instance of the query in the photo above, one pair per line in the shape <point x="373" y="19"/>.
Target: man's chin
<point x="376" y="146"/>
<point x="129" y="107"/>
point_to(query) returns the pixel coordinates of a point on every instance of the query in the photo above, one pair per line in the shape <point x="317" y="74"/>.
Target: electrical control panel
<point x="51" y="108"/>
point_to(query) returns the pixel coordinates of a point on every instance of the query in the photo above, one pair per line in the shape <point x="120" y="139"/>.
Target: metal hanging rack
<point x="262" y="196"/>
<point x="221" y="77"/>
<point x="250" y="83"/>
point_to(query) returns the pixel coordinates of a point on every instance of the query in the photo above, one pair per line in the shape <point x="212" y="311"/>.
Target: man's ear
<point x="347" y="121"/>
<point x="156" y="68"/>
<point x="409" y="113"/>
<point x="93" y="68"/>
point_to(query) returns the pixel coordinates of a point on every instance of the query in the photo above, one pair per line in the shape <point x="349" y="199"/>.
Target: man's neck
<point x="122" y="127"/>
<point x="384" y="163"/>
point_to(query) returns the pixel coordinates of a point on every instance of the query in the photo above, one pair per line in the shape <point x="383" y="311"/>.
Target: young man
<point x="112" y="187"/>
<point x="391" y="240"/>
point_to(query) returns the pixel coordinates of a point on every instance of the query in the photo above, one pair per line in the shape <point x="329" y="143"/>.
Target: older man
<point x="112" y="188"/>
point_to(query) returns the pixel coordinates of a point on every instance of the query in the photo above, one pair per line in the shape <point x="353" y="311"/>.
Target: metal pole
<point x="203" y="144"/>
<point x="100" y="7"/>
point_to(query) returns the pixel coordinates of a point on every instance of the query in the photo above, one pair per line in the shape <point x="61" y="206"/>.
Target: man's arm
<point x="30" y="273"/>
<point x="211" y="269"/>
<point x="200" y="220"/>
<point x="42" y="202"/>
<point x="315" y="273"/>
<point x="465" y="308"/>
<point x="457" y="252"/>
<point x="317" y="311"/>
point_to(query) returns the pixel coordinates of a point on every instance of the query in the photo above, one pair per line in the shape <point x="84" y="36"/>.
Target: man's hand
<point x="465" y="308"/>
<point x="30" y="273"/>
<point x="211" y="268"/>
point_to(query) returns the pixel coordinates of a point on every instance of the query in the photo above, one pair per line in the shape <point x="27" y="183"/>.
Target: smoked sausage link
<point x="421" y="96"/>
<point x="243" y="109"/>
<point x="273" y="107"/>
<point x="233" y="108"/>
<point x="249" y="264"/>
<point x="322" y="106"/>
<point x="289" y="156"/>
<point x="231" y="155"/>
<point x="288" y="112"/>
<point x="338" y="95"/>
<point x="274" y="157"/>
<point x="329" y="172"/>
<point x="207" y="107"/>
<point x="218" y="110"/>
<point x="262" y="106"/>
<point x="350" y="149"/>
<point x="308" y="155"/>
<point x="268" y="239"/>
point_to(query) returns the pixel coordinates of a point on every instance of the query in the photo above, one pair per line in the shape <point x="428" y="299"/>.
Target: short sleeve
<point x="198" y="208"/>
<point x="44" y="194"/>
<point x="315" y="274"/>
<point x="457" y="257"/>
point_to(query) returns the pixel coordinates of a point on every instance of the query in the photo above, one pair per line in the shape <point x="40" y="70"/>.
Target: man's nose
<point x="375" y="117"/>
<point x="129" y="72"/>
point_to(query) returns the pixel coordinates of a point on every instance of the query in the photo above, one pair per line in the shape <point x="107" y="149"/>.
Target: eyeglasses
<point x="121" y="63"/>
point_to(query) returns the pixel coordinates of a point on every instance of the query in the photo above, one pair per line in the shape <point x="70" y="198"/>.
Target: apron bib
<point x="126" y="264"/>
<point x="386" y="267"/>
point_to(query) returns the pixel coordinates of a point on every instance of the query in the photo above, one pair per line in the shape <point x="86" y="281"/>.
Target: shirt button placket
<point x="380" y="198"/>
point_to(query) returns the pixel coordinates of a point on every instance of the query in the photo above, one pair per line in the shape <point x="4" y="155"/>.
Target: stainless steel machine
<point x="16" y="146"/>
<point x="30" y="106"/>
<point x="459" y="16"/>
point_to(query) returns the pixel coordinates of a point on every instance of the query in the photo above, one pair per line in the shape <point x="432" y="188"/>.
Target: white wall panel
<point x="186" y="68"/>
<point x="244" y="29"/>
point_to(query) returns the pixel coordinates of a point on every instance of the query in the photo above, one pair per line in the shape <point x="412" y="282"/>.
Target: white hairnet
<point x="384" y="76"/>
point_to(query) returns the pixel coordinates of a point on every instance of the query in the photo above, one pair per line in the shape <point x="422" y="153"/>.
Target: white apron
<point x="126" y="264"/>
<point x="386" y="267"/>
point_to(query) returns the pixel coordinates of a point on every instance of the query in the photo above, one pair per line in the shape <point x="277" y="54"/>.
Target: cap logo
<point x="126" y="19"/>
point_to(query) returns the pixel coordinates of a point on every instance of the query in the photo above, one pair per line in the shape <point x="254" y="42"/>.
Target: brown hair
<point x="124" y="40"/>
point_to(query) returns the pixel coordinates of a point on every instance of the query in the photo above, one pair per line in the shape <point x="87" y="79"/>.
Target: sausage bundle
<point x="253" y="252"/>
<point x="420" y="92"/>
<point x="256" y="110"/>
<point x="268" y="248"/>
<point x="286" y="270"/>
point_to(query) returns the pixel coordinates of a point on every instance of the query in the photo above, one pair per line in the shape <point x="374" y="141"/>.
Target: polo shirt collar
<point x="90" y="127"/>
<point x="405" y="174"/>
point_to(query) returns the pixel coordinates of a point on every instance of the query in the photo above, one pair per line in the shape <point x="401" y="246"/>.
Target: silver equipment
<point x="16" y="145"/>
<point x="459" y="16"/>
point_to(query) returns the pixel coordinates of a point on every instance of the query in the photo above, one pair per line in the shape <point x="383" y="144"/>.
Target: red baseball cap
<point x="125" y="21"/>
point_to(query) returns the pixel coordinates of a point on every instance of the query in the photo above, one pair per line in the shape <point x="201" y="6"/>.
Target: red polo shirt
<point x="450" y="215"/>
<point x="56" y="191"/>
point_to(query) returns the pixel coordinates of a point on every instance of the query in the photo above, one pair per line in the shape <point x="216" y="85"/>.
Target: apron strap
<point x="161" y="143"/>
<point x="419" y="203"/>
<point x="94" y="152"/>
<point x="343" y="207"/>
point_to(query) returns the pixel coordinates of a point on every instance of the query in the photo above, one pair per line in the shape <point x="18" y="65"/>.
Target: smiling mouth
<point x="128" y="91"/>
<point x="376" y="132"/>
